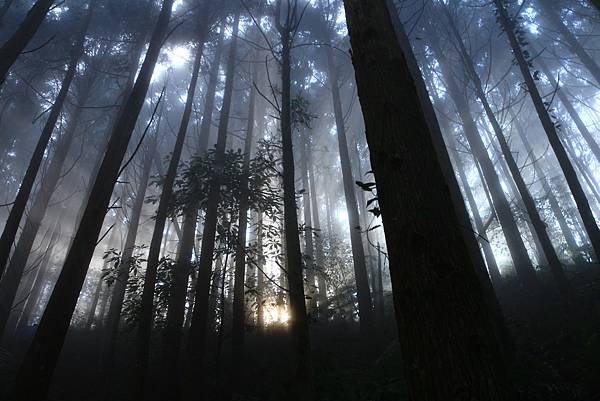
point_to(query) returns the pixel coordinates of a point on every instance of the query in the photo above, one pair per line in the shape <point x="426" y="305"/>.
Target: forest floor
<point x="557" y="356"/>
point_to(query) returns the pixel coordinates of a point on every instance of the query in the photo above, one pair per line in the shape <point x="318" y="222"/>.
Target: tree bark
<point x="439" y="297"/>
<point x="13" y="47"/>
<point x="34" y="375"/>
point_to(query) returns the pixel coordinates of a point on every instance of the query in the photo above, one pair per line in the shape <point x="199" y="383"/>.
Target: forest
<point x="300" y="200"/>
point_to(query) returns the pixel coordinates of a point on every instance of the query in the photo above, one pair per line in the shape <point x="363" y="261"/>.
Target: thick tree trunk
<point x="509" y="25"/>
<point x="439" y="297"/>
<point x="260" y="275"/>
<point x="34" y="375"/>
<point x="518" y="252"/>
<point x="13" y="47"/>
<point x="365" y="305"/>
<point x="198" y="327"/>
<point x="18" y="208"/>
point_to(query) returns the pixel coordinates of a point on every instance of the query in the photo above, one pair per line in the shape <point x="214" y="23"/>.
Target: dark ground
<point x="557" y="355"/>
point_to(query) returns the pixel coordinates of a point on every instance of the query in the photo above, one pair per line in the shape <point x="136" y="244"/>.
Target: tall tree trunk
<point x="239" y="289"/>
<point x="439" y="297"/>
<point x="319" y="253"/>
<point x="20" y="203"/>
<point x="539" y="227"/>
<point x="10" y="281"/>
<point x="34" y="375"/>
<point x="564" y="95"/>
<point x="147" y="303"/>
<point x="554" y="205"/>
<point x="509" y="25"/>
<point x="260" y="274"/>
<point x="365" y="305"/>
<point x="198" y="327"/>
<point x="180" y="274"/>
<point x="309" y="253"/>
<point x="518" y="252"/>
<point x="13" y="47"/>
<point x="119" y="286"/>
<point x="302" y="387"/>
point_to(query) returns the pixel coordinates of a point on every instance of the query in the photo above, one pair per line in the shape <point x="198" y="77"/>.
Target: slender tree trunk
<point x="302" y="387"/>
<point x="564" y="95"/>
<point x="34" y="375"/>
<point x="518" y="252"/>
<point x="260" y="275"/>
<point x="493" y="269"/>
<point x="239" y="289"/>
<point x="20" y="203"/>
<point x="509" y="25"/>
<point x="198" y="327"/>
<point x="33" y="290"/>
<point x="10" y="281"/>
<point x="365" y="305"/>
<point x="554" y="205"/>
<point x="180" y="274"/>
<point x="13" y="47"/>
<point x="539" y="227"/>
<point x="147" y="304"/>
<point x="308" y="230"/>
<point x="119" y="286"/>
<point x="430" y="261"/>
<point x="319" y="253"/>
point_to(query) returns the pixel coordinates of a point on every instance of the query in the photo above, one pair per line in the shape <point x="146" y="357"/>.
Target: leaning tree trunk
<point x="518" y="252"/>
<point x="119" y="286"/>
<point x="539" y="227"/>
<point x="35" y="373"/>
<point x="147" y="303"/>
<point x="438" y="292"/>
<point x="509" y="26"/>
<point x="564" y="95"/>
<point x="13" y="47"/>
<point x="177" y="293"/>
<point x="198" y="327"/>
<point x="18" y="208"/>
<point x="554" y="205"/>
<point x="18" y="262"/>
<point x="365" y="305"/>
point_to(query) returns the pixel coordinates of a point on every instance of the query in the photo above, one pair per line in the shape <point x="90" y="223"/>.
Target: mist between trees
<point x="299" y="200"/>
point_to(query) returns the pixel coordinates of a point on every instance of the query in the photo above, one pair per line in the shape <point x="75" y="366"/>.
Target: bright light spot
<point x="178" y="56"/>
<point x="342" y="216"/>
<point x="275" y="314"/>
